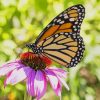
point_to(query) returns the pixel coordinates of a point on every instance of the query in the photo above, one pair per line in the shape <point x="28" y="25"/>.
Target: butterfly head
<point x="34" y="48"/>
<point x="30" y="45"/>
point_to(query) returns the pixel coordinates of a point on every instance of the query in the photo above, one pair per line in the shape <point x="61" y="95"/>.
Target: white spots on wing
<point x="78" y="10"/>
<point x="74" y="8"/>
<point x="58" y="20"/>
<point x="81" y="20"/>
<point x="83" y="10"/>
<point x="70" y="32"/>
<point x="81" y="6"/>
<point x="53" y="24"/>
<point x="49" y="25"/>
<point x="76" y="22"/>
<point x="76" y="62"/>
<point x="79" y="23"/>
<point x="80" y="17"/>
<point x="55" y="20"/>
<point x="61" y="22"/>
<point x="65" y="14"/>
<point x="75" y="29"/>
<point x="66" y="33"/>
<point x="81" y="53"/>
<point x="61" y="33"/>
<point x="83" y="46"/>
<point x="80" y="48"/>
<point x="74" y="36"/>
<point x="83" y="14"/>
<point x="56" y="35"/>
<point x="76" y="58"/>
<point x="82" y="43"/>
<point x="78" y="26"/>
<point x="74" y="26"/>
<point x="60" y="15"/>
<point x="75" y="39"/>
<point x="72" y="19"/>
<point x="66" y="17"/>
<point x="71" y="63"/>
<point x="79" y="58"/>
<point x="78" y="37"/>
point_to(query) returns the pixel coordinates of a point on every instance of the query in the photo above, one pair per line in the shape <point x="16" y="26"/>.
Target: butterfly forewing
<point x="68" y="21"/>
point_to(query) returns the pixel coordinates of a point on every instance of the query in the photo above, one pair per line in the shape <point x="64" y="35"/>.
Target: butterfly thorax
<point x="35" y="48"/>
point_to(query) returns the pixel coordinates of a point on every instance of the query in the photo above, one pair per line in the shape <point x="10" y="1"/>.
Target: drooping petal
<point x="63" y="82"/>
<point x="30" y="83"/>
<point x="17" y="60"/>
<point x="11" y="63"/>
<point x="18" y="75"/>
<point x="59" y="71"/>
<point x="54" y="82"/>
<point x="61" y="74"/>
<point x="40" y="84"/>
<point x="5" y="69"/>
<point x="59" y="89"/>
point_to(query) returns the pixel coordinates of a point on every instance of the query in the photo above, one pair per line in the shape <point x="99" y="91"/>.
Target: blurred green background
<point x="21" y="21"/>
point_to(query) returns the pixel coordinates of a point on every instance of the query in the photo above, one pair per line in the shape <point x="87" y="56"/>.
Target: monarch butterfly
<point x="60" y="40"/>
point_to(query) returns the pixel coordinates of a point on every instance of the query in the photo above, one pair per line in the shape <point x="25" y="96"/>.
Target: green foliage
<point x="22" y="20"/>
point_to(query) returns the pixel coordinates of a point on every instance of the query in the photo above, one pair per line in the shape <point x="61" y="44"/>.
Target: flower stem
<point x="27" y="96"/>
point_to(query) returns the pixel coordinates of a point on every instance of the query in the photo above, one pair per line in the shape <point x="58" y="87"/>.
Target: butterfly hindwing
<point x="64" y="48"/>
<point x="68" y="21"/>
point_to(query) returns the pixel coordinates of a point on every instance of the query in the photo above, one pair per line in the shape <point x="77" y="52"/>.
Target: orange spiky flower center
<point x="35" y="61"/>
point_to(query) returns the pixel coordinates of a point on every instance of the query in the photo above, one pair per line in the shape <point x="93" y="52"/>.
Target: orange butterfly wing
<point x="68" y="21"/>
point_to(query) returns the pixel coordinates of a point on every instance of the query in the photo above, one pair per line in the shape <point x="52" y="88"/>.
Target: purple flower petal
<point x="40" y="84"/>
<point x="63" y="82"/>
<point x="61" y="74"/>
<point x="30" y="83"/>
<point x="17" y="75"/>
<point x="54" y="82"/>
<point x="59" y="71"/>
<point x="5" y="69"/>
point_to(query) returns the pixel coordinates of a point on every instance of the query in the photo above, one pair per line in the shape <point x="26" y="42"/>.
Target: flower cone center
<point x="34" y="61"/>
